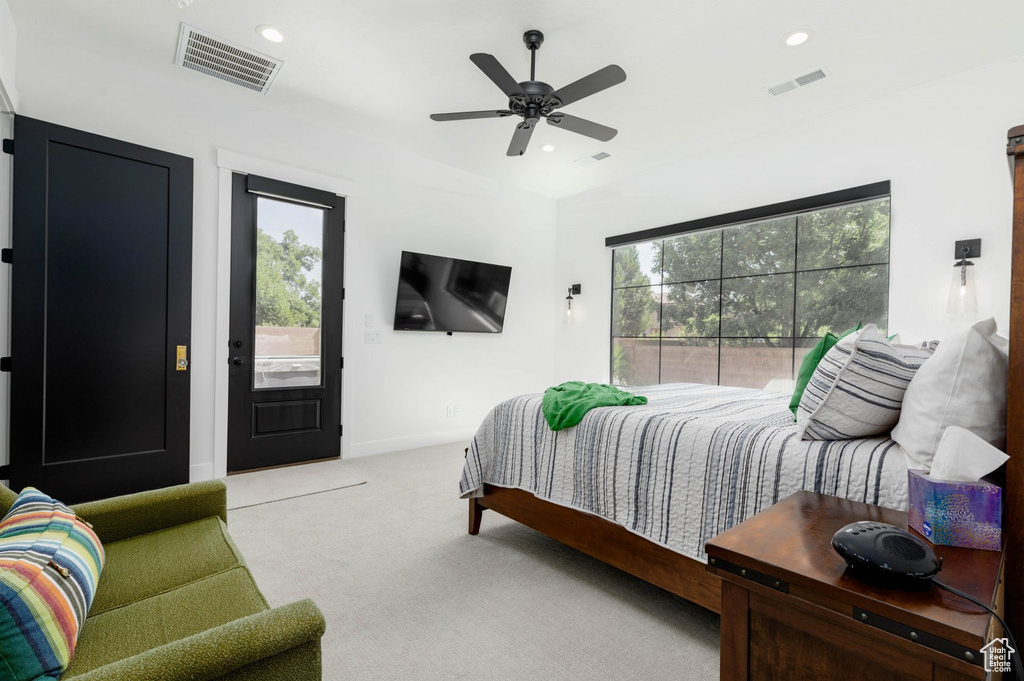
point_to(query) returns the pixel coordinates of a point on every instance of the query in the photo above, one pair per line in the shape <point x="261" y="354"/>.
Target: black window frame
<point x="794" y="208"/>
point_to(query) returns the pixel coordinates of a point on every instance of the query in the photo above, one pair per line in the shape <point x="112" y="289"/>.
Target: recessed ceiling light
<point x="270" y="33"/>
<point x="548" y="147"/>
<point x="797" y="38"/>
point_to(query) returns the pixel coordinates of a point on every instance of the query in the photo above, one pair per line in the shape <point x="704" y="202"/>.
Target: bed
<point x="693" y="462"/>
<point x="650" y="515"/>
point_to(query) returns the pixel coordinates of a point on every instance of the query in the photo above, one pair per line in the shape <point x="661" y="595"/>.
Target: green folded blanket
<point x="564" y="405"/>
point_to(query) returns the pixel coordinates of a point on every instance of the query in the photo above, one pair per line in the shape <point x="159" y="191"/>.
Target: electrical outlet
<point x="451" y="410"/>
<point x="458" y="410"/>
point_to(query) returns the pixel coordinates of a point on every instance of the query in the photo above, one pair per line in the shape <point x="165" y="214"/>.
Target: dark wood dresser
<point x="790" y="610"/>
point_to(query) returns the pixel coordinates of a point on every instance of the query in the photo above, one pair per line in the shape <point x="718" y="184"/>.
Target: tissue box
<point x="967" y="514"/>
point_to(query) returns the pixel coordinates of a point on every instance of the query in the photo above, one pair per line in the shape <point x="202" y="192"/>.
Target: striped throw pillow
<point x="50" y="563"/>
<point x="857" y="389"/>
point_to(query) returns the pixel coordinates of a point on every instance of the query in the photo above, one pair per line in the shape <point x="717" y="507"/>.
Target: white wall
<point x="8" y="51"/>
<point x="395" y="392"/>
<point x="942" y="144"/>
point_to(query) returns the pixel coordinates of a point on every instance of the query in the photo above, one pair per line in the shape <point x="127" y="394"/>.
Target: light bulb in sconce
<point x="963" y="296"/>
<point x="569" y="317"/>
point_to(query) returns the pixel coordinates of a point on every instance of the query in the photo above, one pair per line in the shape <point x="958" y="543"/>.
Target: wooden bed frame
<point x="690" y="579"/>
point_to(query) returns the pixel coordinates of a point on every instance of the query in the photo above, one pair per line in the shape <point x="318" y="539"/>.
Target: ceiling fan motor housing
<point x="533" y="39"/>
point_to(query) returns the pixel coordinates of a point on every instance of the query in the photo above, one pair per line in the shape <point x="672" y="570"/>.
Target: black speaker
<point x="885" y="554"/>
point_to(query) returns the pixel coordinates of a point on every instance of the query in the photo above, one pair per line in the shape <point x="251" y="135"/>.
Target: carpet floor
<point x="408" y="594"/>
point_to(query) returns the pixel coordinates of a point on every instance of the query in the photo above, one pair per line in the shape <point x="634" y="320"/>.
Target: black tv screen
<point x="447" y="294"/>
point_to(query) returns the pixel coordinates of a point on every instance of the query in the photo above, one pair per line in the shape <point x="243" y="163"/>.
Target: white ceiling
<point x="696" y="71"/>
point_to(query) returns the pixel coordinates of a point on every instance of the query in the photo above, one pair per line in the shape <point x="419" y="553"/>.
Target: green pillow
<point x="810" y="363"/>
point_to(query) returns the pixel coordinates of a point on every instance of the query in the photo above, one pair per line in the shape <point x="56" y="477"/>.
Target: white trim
<point x="200" y="471"/>
<point x="8" y="99"/>
<point x="397" y="444"/>
<point x="230" y="162"/>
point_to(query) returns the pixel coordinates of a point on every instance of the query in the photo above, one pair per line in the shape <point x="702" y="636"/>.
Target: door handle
<point x="237" y="361"/>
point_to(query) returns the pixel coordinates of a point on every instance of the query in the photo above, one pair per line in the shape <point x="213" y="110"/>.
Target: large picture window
<point x="741" y="305"/>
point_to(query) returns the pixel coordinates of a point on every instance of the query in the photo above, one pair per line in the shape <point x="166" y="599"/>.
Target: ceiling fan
<point x="532" y="99"/>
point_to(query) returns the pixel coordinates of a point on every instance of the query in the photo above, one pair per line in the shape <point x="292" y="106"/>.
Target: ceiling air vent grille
<point x="798" y="82"/>
<point x="587" y="160"/>
<point x="216" y="57"/>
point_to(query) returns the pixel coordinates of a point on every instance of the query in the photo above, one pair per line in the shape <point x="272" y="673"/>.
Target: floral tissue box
<point x="952" y="513"/>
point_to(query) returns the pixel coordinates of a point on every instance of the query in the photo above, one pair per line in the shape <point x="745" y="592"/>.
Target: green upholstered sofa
<point x="176" y="601"/>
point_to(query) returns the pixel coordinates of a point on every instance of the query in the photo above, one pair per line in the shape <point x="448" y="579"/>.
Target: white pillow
<point x="963" y="384"/>
<point x="857" y="388"/>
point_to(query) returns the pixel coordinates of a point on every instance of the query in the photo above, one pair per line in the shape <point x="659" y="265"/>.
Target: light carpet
<point x="408" y="594"/>
<point x="264" y="487"/>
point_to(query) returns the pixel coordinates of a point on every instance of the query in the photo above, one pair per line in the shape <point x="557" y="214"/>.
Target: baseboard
<point x="200" y="471"/>
<point x="409" y="442"/>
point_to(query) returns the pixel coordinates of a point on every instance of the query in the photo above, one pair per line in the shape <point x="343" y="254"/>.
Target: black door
<point x="284" y="393"/>
<point x="100" y="314"/>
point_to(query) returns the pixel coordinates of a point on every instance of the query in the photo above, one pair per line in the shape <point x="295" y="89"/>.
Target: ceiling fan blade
<point x="520" y="138"/>
<point x="582" y="126"/>
<point x="467" y="115"/>
<point x="497" y="73"/>
<point x="588" y="85"/>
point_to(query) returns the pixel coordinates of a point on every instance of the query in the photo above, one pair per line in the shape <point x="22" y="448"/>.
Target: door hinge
<point x="342" y="362"/>
<point x="341" y="430"/>
<point x="5" y="364"/>
<point x="343" y="293"/>
<point x="5" y="472"/>
<point x="7" y="255"/>
<point x="9" y="146"/>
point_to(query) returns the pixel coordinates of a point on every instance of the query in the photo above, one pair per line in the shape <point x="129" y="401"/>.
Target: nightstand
<point x="791" y="611"/>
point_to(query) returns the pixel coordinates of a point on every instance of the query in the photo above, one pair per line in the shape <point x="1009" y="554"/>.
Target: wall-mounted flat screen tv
<point x="447" y="294"/>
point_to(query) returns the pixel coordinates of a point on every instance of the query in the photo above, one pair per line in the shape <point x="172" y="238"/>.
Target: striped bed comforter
<point x="690" y="464"/>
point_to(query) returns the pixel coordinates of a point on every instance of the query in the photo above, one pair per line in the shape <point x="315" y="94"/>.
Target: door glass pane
<point x="289" y="250"/>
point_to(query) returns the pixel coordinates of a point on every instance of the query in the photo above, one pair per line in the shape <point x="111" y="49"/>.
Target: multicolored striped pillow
<point x="50" y="563"/>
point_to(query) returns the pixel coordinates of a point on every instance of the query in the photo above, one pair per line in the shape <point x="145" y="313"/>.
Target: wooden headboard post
<point x="1013" y="516"/>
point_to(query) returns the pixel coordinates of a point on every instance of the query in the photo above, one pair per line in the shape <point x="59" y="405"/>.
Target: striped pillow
<point x="50" y="563"/>
<point x="857" y="389"/>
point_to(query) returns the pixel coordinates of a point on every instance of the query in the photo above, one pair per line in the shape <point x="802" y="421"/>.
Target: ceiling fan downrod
<point x="533" y="39"/>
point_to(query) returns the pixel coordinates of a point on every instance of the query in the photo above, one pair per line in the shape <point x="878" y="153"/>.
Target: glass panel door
<point x="289" y="289"/>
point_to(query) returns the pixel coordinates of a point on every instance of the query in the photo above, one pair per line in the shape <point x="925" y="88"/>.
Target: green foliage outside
<point x="747" y="272"/>
<point x="634" y="310"/>
<point x="284" y="297"/>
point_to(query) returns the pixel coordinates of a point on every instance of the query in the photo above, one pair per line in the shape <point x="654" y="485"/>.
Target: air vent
<point x="216" y="57"/>
<point x="798" y="82"/>
<point x="587" y="160"/>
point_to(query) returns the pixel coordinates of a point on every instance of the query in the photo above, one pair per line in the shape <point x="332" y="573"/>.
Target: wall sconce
<point x="963" y="296"/>
<point x="570" y="314"/>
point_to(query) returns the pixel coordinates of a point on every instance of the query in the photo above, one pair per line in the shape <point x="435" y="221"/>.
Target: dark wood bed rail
<point x="1013" y="512"/>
